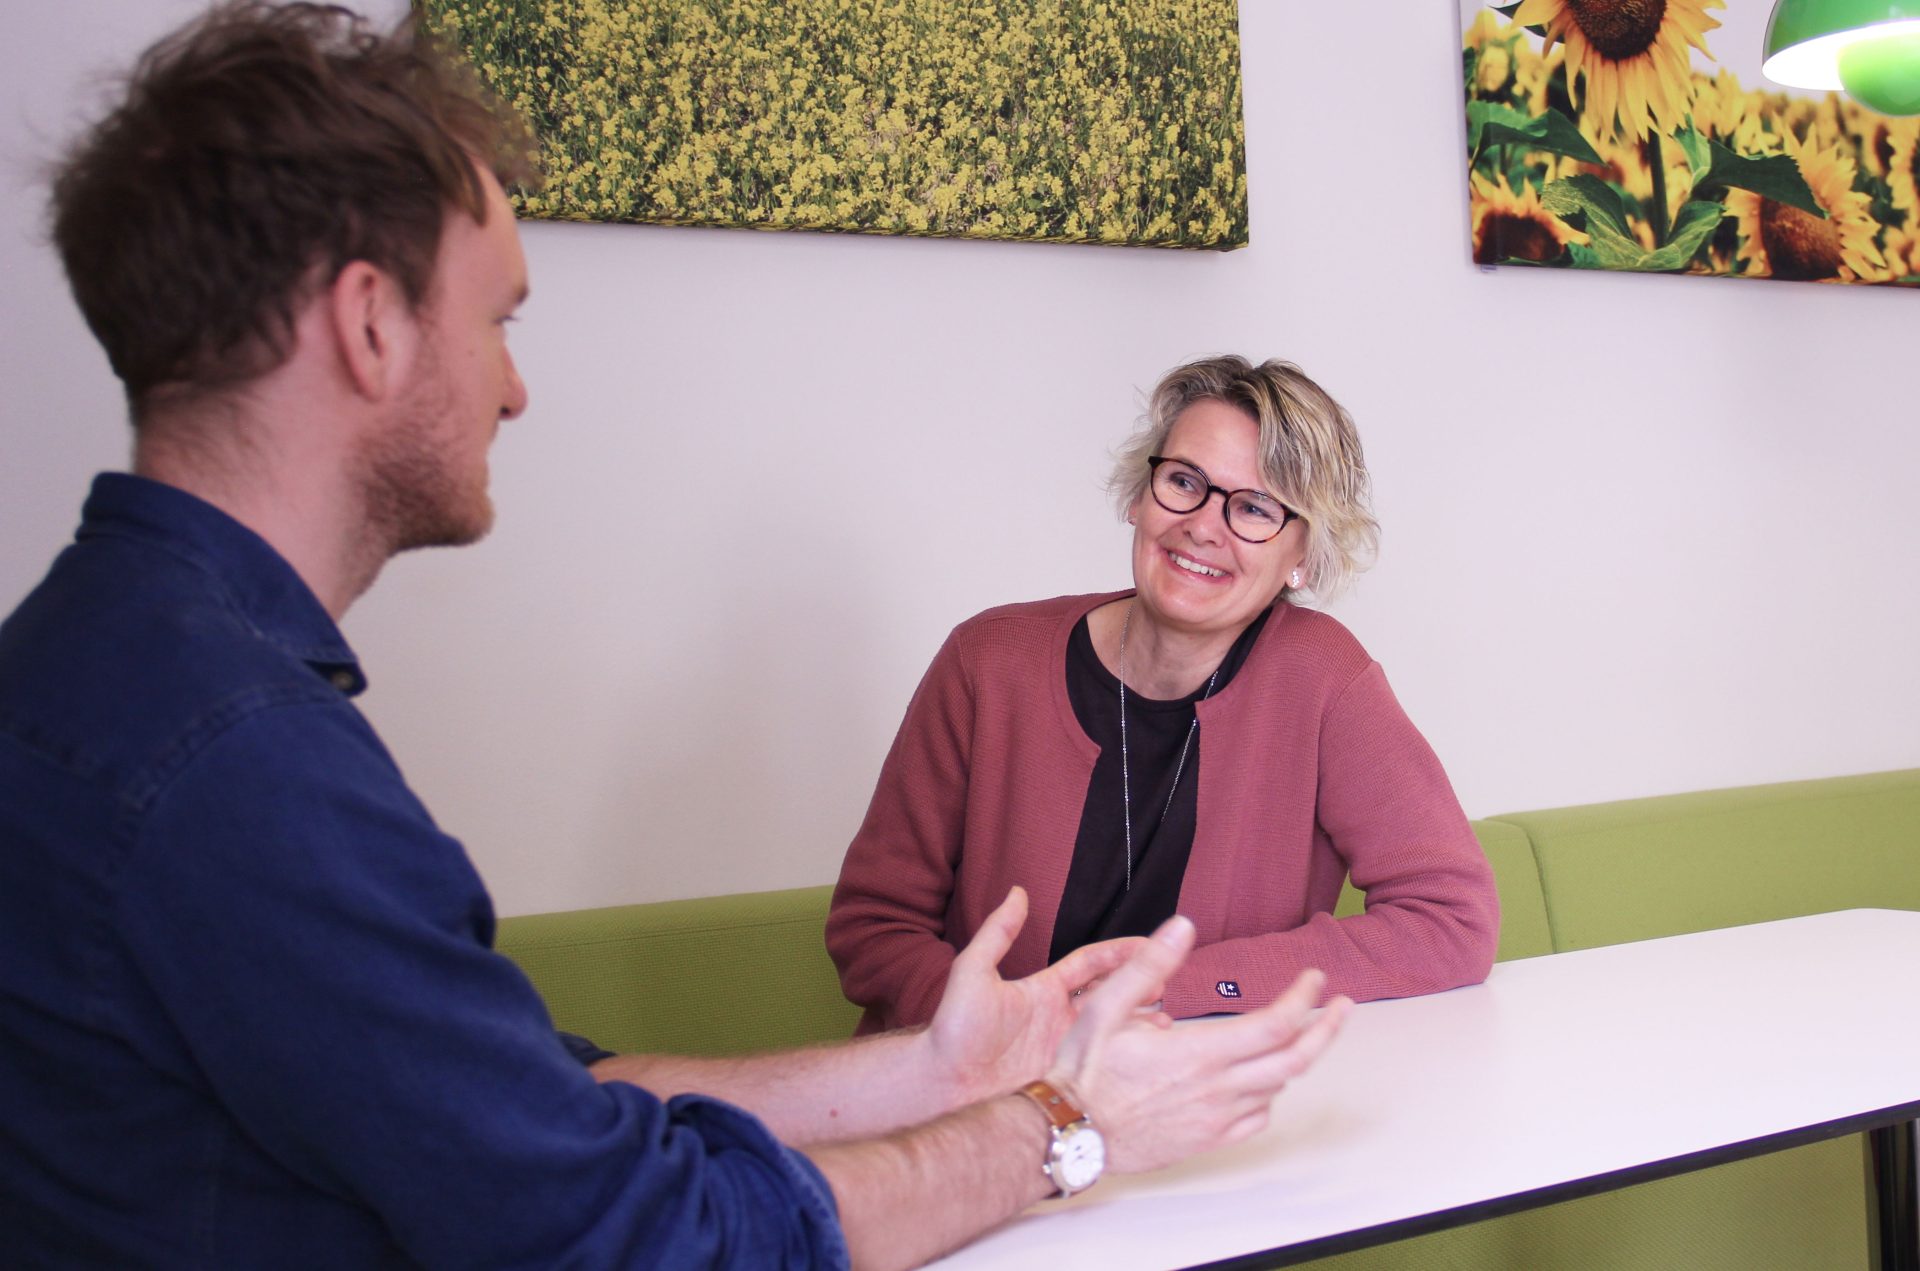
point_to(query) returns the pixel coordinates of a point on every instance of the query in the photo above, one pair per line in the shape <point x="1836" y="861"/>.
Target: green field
<point x="1117" y="121"/>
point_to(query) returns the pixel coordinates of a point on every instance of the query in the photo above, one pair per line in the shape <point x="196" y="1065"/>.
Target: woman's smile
<point x="1198" y="568"/>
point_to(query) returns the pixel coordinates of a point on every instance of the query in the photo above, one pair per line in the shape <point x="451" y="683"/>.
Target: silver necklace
<point x="1126" y="778"/>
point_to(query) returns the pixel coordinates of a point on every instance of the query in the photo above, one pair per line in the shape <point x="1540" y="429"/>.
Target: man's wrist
<point x="1076" y="1151"/>
<point x="948" y="1087"/>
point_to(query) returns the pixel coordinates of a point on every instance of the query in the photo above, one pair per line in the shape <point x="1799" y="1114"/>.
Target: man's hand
<point x="1161" y="1094"/>
<point x="1158" y="1092"/>
<point x="991" y="1035"/>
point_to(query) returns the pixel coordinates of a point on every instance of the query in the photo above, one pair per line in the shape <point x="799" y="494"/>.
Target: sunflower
<point x="1533" y="75"/>
<point x="1903" y="166"/>
<point x="1777" y="241"/>
<point x="1509" y="226"/>
<point x="1873" y="133"/>
<point x="1486" y="28"/>
<point x="1903" y="255"/>
<point x="1827" y="124"/>
<point x="1492" y="42"/>
<point x="1506" y="66"/>
<point x="1495" y="70"/>
<point x="1632" y="54"/>
<point x="1718" y="262"/>
<point x="1729" y="113"/>
<point x="1797" y="115"/>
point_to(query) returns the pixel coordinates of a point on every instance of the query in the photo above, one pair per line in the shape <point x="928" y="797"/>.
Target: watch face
<point x="1079" y="1156"/>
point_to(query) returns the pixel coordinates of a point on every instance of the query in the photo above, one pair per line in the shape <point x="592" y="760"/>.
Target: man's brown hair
<point x="257" y="152"/>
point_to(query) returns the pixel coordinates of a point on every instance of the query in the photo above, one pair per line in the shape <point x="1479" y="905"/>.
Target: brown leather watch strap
<point x="1054" y="1104"/>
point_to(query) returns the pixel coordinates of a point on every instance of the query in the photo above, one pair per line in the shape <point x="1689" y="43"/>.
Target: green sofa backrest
<point x="1639" y="868"/>
<point x="1524" y="931"/>
<point x="721" y="975"/>
<point x="725" y="975"/>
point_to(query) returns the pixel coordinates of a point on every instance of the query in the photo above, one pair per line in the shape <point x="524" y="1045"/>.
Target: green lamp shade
<point x="1868" y="48"/>
<point x="1883" y="74"/>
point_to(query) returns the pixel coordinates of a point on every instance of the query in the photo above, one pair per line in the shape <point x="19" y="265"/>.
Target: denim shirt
<point x="249" y="1011"/>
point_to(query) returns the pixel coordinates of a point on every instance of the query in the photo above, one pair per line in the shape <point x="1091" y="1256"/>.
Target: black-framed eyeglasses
<point x="1253" y="515"/>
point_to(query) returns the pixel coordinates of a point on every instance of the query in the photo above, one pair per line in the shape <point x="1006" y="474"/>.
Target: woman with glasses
<point x="1199" y="744"/>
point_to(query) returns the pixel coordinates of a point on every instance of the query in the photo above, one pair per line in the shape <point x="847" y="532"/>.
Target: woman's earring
<point x="1294" y="580"/>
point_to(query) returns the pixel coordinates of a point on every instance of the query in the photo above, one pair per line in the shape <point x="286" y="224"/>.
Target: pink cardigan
<point x="1312" y="772"/>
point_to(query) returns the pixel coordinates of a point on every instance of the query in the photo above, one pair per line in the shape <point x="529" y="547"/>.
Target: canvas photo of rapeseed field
<point x="1079" y="121"/>
<point x="1616" y="134"/>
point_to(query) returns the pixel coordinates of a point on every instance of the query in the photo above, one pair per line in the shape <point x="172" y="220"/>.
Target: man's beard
<point x="409" y="490"/>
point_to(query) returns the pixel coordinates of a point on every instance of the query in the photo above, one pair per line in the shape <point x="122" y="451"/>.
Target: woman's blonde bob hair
<point x="1310" y="457"/>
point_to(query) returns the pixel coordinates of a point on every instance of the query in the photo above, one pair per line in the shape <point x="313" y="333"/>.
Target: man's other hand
<point x="1160" y="1094"/>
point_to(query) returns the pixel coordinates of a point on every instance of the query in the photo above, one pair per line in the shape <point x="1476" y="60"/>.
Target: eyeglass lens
<point x="1180" y="487"/>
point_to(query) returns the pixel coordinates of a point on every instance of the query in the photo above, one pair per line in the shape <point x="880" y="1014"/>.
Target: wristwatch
<point x="1078" y="1153"/>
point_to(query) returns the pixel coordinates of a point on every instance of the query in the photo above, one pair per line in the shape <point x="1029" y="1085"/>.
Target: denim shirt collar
<point x="264" y="590"/>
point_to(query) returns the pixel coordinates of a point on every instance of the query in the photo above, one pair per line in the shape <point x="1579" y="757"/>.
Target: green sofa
<point x="728" y="974"/>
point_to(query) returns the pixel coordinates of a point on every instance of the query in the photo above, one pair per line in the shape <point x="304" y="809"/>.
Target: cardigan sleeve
<point x="887" y="929"/>
<point x="1432" y="919"/>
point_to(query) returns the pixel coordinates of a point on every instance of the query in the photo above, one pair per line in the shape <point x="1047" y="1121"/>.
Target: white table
<point x="1559" y="1077"/>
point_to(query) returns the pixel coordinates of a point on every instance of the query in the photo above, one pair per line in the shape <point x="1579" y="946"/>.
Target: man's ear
<point x="372" y="326"/>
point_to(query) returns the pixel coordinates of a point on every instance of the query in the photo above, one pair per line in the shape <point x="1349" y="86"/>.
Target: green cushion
<point x="1632" y="870"/>
<point x="720" y="975"/>
<point x="1523" y="913"/>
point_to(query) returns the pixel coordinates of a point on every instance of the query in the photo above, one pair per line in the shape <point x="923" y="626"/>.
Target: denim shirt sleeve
<point x="312" y="943"/>
<point x="584" y="1050"/>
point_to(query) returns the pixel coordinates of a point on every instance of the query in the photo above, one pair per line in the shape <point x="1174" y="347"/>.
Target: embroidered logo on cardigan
<point x="1227" y="988"/>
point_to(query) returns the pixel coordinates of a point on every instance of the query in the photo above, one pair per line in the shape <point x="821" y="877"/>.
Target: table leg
<point x="1893" y="1209"/>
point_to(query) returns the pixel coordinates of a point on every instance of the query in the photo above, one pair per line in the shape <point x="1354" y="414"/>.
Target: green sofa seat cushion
<point x="720" y="975"/>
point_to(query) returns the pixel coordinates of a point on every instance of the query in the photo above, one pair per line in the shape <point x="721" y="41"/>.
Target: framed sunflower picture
<point x="1617" y="134"/>
<point x="1117" y="122"/>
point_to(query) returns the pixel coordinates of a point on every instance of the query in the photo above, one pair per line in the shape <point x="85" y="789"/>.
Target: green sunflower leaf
<point x="1691" y="228"/>
<point x="1491" y="124"/>
<point x="1774" y="176"/>
<point x="1699" y="152"/>
<point x="1480" y="114"/>
<point x="1610" y="250"/>
<point x="1590" y="198"/>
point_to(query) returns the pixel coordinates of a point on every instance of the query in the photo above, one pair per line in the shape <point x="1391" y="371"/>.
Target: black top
<point x="1097" y="903"/>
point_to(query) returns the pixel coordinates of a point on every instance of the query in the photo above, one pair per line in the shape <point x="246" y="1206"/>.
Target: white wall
<point x="1641" y="534"/>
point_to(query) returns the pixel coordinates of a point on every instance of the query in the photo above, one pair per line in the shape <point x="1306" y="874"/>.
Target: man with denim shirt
<point x="249" y="1010"/>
